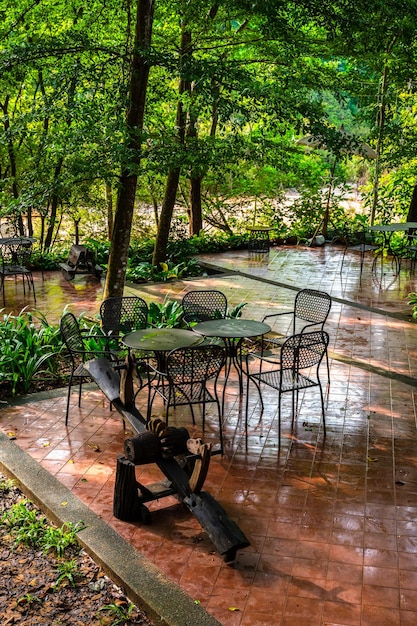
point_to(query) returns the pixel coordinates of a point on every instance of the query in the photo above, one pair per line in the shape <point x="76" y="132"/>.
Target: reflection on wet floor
<point x="331" y="520"/>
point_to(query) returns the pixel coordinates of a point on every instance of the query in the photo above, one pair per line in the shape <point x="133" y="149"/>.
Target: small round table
<point x="160" y="341"/>
<point x="230" y="330"/>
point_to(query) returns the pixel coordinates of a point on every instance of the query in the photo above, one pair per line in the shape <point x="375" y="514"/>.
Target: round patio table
<point x="160" y="341"/>
<point x="232" y="331"/>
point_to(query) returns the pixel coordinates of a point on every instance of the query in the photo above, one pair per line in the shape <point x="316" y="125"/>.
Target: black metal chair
<point x="121" y="315"/>
<point x="203" y="305"/>
<point x="184" y="380"/>
<point x="311" y="310"/>
<point x="15" y="261"/>
<point x="78" y="342"/>
<point x="296" y="367"/>
<point x="359" y="241"/>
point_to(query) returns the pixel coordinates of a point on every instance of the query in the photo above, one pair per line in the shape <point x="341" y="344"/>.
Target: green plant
<point x="236" y="311"/>
<point x="29" y="599"/>
<point x="29" y="527"/>
<point x="6" y="485"/>
<point x="59" y="539"/>
<point x="166" y="314"/>
<point x="24" y="524"/>
<point x="28" y="344"/>
<point x="67" y="570"/>
<point x="121" y="612"/>
<point x="412" y="300"/>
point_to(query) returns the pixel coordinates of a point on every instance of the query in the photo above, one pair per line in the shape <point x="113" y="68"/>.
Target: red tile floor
<point x="331" y="520"/>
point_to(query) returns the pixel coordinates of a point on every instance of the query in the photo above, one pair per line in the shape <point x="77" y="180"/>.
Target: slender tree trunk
<point x="109" y="206"/>
<point x="171" y="188"/>
<point x="196" y="214"/>
<point x="12" y="159"/>
<point x="119" y="248"/>
<point x="381" y="129"/>
<point x="54" y="206"/>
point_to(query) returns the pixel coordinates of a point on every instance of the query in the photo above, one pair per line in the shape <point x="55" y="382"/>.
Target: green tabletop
<point x="234" y="328"/>
<point x="160" y="339"/>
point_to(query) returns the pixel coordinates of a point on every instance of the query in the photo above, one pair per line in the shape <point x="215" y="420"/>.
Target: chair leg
<point x="80" y="392"/>
<point x="322" y="409"/>
<point x="362" y="260"/>
<point x="279" y="420"/>
<point x="68" y="400"/>
<point x="343" y="260"/>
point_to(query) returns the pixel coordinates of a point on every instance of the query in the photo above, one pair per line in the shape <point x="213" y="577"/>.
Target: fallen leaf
<point x="46" y="444"/>
<point x="233" y="608"/>
<point x="64" y="503"/>
<point x="94" y="447"/>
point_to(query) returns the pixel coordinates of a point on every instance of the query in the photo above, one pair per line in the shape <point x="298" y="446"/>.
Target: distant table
<point x="232" y="331"/>
<point x="388" y="230"/>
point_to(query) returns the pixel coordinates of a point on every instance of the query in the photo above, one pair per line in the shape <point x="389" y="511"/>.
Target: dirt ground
<point x="31" y="594"/>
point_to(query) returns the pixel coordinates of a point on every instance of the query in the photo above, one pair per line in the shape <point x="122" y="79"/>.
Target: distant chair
<point x="184" y="380"/>
<point x="359" y="241"/>
<point x="204" y="305"/>
<point x="296" y="367"/>
<point x="77" y="343"/>
<point x="15" y="261"/>
<point x="311" y="310"/>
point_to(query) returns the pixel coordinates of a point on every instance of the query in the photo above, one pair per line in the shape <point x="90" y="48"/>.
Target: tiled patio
<point x="331" y="520"/>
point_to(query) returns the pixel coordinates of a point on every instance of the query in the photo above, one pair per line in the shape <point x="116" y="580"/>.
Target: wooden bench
<point x="183" y="461"/>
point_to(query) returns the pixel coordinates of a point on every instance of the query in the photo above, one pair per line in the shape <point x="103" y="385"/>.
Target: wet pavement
<point x="331" y="520"/>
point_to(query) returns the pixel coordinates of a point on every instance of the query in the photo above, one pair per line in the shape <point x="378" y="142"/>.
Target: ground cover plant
<point x="47" y="578"/>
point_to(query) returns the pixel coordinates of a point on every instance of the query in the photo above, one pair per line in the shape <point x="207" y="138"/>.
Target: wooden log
<point x="125" y="503"/>
<point x="144" y="448"/>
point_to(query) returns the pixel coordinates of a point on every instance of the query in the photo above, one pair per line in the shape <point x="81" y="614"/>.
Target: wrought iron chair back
<point x="204" y="305"/>
<point x="121" y="315"/>
<point x="296" y="367"/>
<point x="75" y="341"/>
<point x="184" y="381"/>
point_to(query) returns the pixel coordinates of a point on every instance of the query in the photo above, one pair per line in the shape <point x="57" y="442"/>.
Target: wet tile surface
<point x="331" y="520"/>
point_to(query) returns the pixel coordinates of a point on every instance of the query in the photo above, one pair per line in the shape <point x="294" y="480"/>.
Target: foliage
<point x="166" y="314"/>
<point x="412" y="301"/>
<point x="120" y="613"/>
<point x="147" y="272"/>
<point x="27" y="526"/>
<point x="67" y="571"/>
<point x="28" y="344"/>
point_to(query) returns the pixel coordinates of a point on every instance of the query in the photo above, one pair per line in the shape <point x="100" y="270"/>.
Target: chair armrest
<point x="277" y="314"/>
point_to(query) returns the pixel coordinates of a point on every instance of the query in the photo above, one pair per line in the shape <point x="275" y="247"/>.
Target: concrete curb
<point x="144" y="584"/>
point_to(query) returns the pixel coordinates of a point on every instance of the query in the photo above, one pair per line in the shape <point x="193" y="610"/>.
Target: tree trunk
<point x="196" y="216"/>
<point x="109" y="206"/>
<point x="381" y="129"/>
<point x="160" y="250"/>
<point x="119" y="248"/>
<point x="412" y="211"/>
<point x="171" y="188"/>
